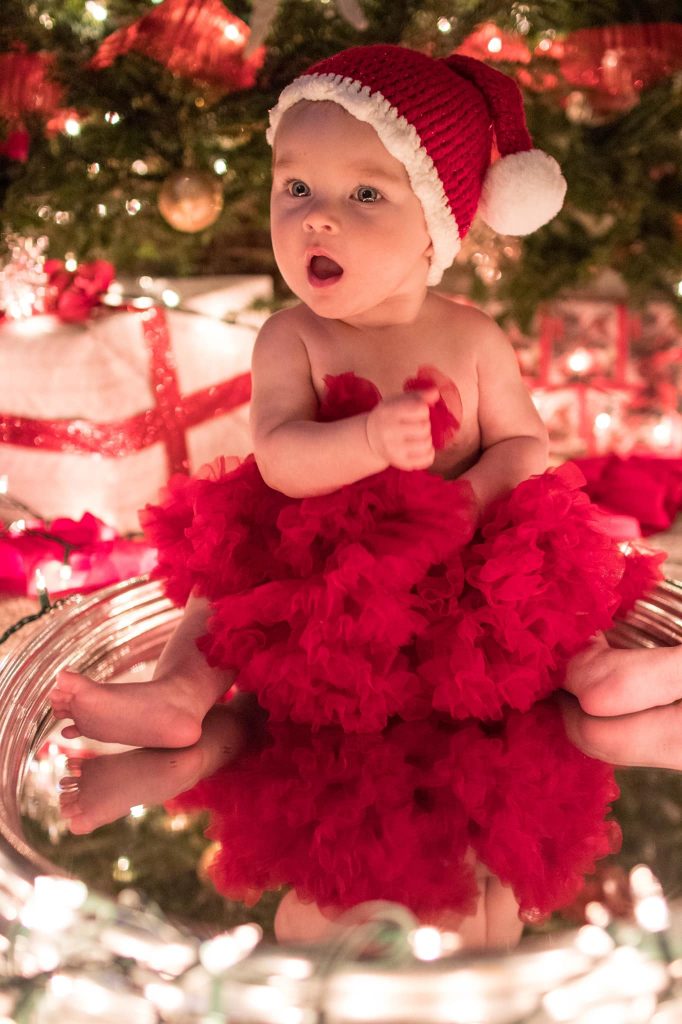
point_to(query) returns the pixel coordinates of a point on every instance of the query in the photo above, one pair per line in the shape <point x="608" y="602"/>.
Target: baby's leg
<point x="610" y="681"/>
<point x="166" y="712"/>
<point x="495" y="923"/>
<point x="101" y="789"/>
<point x="296" y="921"/>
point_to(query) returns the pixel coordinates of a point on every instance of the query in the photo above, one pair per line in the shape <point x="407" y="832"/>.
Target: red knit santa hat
<point x="439" y="118"/>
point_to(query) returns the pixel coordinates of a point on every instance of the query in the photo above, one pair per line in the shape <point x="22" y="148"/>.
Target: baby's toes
<point x="69" y="682"/>
<point x="70" y="732"/>
<point x="69" y="804"/>
<point x="81" y="824"/>
<point x="60" y="701"/>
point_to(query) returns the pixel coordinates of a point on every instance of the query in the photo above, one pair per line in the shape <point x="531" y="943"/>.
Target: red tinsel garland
<point x="197" y="39"/>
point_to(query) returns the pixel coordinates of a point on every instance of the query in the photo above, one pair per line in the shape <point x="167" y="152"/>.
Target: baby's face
<point x="348" y="232"/>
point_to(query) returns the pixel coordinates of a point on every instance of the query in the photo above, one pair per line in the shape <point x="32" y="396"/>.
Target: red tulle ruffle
<point x="386" y="598"/>
<point x="395" y="816"/>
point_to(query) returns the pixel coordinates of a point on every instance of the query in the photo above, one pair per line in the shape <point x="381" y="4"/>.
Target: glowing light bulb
<point x="170" y="297"/>
<point x="597" y="914"/>
<point x="220" y="166"/>
<point x="652" y="913"/>
<point x="96" y="10"/>
<point x="579" y="361"/>
<point x="52" y="906"/>
<point x="112" y="117"/>
<point x="444" y="25"/>
<point x="594" y="941"/>
<point x="227" y="949"/>
<point x="166" y="998"/>
<point x="233" y="33"/>
<point x="663" y="433"/>
<point x="494" y="45"/>
<point x="72" y="126"/>
<point x="426" y="943"/>
<point x="70" y="263"/>
<point x="602" y="421"/>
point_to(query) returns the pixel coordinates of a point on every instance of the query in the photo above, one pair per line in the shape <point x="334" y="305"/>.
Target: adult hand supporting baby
<point x="626" y="710"/>
<point x="647" y="739"/>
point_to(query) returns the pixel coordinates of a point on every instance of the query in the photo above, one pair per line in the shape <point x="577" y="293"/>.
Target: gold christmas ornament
<point x="190" y="200"/>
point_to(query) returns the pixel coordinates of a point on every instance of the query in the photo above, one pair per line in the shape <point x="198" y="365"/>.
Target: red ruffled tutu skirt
<point x="396" y="815"/>
<point x="387" y="597"/>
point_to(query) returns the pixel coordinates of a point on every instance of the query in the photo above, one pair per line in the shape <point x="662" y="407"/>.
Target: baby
<point x="334" y="573"/>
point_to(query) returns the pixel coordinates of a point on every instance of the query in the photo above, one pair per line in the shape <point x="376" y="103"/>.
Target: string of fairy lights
<point x="19" y="510"/>
<point x="70" y="954"/>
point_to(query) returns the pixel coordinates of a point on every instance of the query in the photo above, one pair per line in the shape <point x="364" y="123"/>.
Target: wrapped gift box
<point x="582" y="420"/>
<point x="94" y="417"/>
<point x="604" y="377"/>
<point x="577" y="339"/>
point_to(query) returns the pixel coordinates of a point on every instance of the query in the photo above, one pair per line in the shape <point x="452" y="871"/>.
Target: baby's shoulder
<point x="468" y="324"/>
<point x="461" y="315"/>
<point x="283" y="329"/>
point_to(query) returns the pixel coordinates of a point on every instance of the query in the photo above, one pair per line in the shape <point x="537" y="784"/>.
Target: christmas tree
<point x="134" y="131"/>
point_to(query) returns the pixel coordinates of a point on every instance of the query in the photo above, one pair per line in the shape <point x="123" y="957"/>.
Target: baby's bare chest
<point x="389" y="360"/>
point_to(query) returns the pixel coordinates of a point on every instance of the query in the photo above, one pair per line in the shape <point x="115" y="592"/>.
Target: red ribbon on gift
<point x="167" y="422"/>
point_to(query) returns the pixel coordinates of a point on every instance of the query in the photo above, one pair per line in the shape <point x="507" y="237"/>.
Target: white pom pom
<point x="521" y="192"/>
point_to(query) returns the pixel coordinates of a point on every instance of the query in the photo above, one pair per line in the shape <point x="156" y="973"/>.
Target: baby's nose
<point x="320" y="216"/>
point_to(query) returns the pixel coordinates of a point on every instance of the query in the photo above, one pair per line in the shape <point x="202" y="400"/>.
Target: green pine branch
<point x="623" y="211"/>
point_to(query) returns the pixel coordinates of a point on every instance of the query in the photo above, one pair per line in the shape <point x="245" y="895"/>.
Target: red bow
<point x="71" y="294"/>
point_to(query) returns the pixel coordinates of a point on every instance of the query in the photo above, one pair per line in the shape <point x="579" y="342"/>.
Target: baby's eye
<point x="367" y="194"/>
<point x="298" y="189"/>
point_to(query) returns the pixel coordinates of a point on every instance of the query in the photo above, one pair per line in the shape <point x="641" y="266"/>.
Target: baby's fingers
<point x="429" y="395"/>
<point x="414" y="408"/>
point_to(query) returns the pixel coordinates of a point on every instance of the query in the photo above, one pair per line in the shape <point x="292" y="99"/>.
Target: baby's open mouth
<point x="324" y="268"/>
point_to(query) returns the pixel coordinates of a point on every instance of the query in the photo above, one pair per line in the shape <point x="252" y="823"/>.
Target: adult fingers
<point x="608" y="681"/>
<point x="644" y="739"/>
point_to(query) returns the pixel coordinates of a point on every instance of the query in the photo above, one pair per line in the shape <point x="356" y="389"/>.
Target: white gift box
<point x="95" y="416"/>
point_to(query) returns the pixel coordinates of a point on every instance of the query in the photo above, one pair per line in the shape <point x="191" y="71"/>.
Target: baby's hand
<point x="399" y="429"/>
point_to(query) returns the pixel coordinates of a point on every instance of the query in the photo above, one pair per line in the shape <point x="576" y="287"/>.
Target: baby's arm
<point x="513" y="437"/>
<point x="300" y="457"/>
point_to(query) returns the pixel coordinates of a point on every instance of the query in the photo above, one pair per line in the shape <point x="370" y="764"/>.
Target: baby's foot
<point x="98" y="790"/>
<point x="101" y="789"/>
<point x="161" y="713"/>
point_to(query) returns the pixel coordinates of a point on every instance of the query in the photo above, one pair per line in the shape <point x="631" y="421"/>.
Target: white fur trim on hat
<point x="521" y="192"/>
<point x="400" y="139"/>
